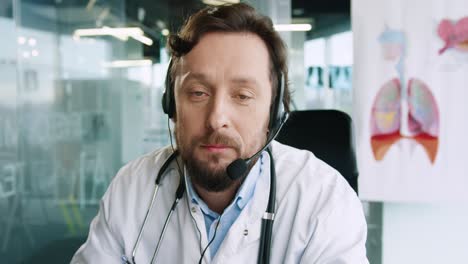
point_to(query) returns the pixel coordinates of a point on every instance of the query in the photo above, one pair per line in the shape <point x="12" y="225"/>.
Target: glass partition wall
<point x="73" y="109"/>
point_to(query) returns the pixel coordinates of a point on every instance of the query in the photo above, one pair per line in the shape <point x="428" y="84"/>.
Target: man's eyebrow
<point x="244" y="80"/>
<point x="196" y="76"/>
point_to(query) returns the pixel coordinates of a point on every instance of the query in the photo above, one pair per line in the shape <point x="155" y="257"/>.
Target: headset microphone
<point x="237" y="168"/>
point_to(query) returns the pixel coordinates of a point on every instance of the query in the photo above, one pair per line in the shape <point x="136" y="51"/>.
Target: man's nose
<point x="218" y="113"/>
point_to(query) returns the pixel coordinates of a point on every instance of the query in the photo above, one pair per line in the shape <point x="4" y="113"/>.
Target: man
<point x="227" y="85"/>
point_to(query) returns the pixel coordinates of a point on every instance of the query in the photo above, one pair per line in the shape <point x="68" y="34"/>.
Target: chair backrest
<point x="326" y="133"/>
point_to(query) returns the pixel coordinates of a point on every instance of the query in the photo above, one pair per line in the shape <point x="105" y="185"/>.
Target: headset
<point x="235" y="170"/>
<point x="277" y="113"/>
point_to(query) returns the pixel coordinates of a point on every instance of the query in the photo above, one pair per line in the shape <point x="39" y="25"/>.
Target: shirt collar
<point x="243" y="196"/>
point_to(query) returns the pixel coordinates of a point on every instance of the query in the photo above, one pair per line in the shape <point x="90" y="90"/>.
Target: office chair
<point x="326" y="133"/>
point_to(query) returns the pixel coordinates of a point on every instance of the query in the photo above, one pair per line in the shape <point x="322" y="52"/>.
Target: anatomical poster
<point x="410" y="83"/>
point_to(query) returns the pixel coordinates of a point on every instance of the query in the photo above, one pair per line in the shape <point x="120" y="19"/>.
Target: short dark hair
<point x="233" y="18"/>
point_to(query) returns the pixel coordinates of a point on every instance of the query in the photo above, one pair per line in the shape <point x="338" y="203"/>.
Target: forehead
<point x="230" y="55"/>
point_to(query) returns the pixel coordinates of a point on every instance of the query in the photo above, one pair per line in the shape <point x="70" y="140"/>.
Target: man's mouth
<point x="215" y="148"/>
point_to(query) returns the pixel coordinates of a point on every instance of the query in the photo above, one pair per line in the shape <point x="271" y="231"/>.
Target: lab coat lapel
<point x="246" y="229"/>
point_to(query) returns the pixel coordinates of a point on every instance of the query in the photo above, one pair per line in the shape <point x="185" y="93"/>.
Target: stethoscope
<point x="267" y="219"/>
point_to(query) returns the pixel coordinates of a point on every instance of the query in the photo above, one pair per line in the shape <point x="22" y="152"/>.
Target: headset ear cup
<point x="168" y="101"/>
<point x="171" y="103"/>
<point x="164" y="103"/>
<point x="277" y="110"/>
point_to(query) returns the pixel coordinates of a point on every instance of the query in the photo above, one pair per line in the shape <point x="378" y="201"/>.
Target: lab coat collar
<point x="246" y="229"/>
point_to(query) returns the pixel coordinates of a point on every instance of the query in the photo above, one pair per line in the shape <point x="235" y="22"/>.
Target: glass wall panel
<point x="73" y="110"/>
<point x="328" y="70"/>
<point x="11" y="167"/>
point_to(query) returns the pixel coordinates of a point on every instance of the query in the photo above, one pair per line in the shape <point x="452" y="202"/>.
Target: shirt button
<point x="194" y="209"/>
<point x="246" y="232"/>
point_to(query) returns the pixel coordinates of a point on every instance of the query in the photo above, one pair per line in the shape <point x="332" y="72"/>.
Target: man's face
<point x="223" y="94"/>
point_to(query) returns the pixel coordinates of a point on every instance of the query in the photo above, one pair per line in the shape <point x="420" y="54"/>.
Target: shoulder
<point x="142" y="169"/>
<point x="300" y="173"/>
<point x="302" y="166"/>
<point x="315" y="198"/>
<point x="129" y="189"/>
<point x="133" y="182"/>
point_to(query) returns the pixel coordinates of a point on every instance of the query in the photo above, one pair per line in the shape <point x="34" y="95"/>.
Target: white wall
<point x="432" y="232"/>
<point x="425" y="233"/>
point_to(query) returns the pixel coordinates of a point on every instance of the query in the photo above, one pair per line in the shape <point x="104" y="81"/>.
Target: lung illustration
<point x="422" y="117"/>
<point x="423" y="111"/>
<point x="385" y="118"/>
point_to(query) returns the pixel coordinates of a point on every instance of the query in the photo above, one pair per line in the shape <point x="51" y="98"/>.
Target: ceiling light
<point x="143" y="39"/>
<point x="293" y="27"/>
<point x="141" y="14"/>
<point x="21" y="40"/>
<point x="90" y="4"/>
<point x="220" y="2"/>
<point x="160" y="24"/>
<point x="120" y="33"/>
<point x="32" y="42"/>
<point x="128" y="63"/>
<point x="35" y="53"/>
<point x="298" y="11"/>
<point x="107" y="31"/>
<point x="104" y="14"/>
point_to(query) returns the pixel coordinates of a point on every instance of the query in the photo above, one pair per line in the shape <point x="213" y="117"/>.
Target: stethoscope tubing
<point x="268" y="217"/>
<point x="150" y="208"/>
<point x="140" y="233"/>
<point x="267" y="220"/>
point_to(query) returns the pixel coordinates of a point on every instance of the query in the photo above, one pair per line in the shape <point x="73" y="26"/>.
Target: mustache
<point x="220" y="139"/>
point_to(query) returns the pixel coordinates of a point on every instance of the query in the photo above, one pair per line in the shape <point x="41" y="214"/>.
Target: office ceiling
<point x="332" y="14"/>
<point x="327" y="16"/>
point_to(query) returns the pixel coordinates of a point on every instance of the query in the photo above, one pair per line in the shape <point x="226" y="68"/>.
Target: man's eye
<point x="198" y="93"/>
<point x="243" y="97"/>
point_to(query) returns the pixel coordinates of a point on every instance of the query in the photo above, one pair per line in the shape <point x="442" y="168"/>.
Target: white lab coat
<point x="319" y="218"/>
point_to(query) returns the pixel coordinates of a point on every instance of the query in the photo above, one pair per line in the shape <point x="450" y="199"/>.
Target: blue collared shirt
<point x="230" y="214"/>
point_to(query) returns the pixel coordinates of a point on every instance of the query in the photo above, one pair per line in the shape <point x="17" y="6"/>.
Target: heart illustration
<point x="455" y="35"/>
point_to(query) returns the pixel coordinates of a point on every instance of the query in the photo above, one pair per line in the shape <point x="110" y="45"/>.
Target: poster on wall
<point x="410" y="81"/>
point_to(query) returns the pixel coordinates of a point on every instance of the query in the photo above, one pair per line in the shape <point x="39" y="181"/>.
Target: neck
<point x="218" y="201"/>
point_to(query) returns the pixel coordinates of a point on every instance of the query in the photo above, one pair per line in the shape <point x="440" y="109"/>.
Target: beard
<point x="212" y="178"/>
